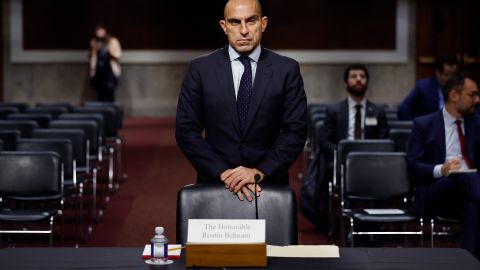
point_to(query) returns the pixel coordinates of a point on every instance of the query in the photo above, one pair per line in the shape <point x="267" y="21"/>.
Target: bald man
<point x="241" y="112"/>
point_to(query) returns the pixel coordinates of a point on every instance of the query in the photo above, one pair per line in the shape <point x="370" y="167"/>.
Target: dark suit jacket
<point x="276" y="127"/>
<point x="422" y="100"/>
<point x="335" y="127"/>
<point x="426" y="148"/>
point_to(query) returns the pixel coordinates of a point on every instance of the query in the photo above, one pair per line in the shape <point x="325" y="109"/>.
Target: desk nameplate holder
<point x="226" y="243"/>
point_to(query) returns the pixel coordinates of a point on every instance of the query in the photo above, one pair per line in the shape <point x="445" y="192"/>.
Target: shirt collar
<point x="254" y="55"/>
<point x="352" y="103"/>
<point x="448" y="118"/>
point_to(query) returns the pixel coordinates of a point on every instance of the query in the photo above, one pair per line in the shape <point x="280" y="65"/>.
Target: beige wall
<point x="152" y="89"/>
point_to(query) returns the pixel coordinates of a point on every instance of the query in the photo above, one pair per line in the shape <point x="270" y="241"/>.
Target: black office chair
<point x="21" y="106"/>
<point x="400" y="137"/>
<point x="54" y="112"/>
<point x="42" y="119"/>
<point x="73" y="184"/>
<point x="345" y="147"/>
<point x="80" y="151"/>
<point x="64" y="105"/>
<point x="35" y="180"/>
<point x="9" y="138"/>
<point x="380" y="182"/>
<point x="276" y="205"/>
<point x="441" y="226"/>
<point x="25" y="127"/>
<point x="5" y="111"/>
<point x="402" y="124"/>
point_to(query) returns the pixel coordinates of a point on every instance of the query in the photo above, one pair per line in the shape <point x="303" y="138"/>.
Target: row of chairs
<point x="374" y="173"/>
<point x="79" y="136"/>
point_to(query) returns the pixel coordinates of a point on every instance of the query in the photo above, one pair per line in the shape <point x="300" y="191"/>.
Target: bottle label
<point x="159" y="251"/>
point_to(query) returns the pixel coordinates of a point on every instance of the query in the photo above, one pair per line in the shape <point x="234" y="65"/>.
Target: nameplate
<point x="226" y="231"/>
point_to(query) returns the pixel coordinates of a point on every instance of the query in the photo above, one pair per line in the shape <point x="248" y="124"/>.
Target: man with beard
<point x="444" y="142"/>
<point x="354" y="118"/>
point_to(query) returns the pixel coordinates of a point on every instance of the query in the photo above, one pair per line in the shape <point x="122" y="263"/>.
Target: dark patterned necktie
<point x="244" y="91"/>
<point x="463" y="147"/>
<point x="357" y="133"/>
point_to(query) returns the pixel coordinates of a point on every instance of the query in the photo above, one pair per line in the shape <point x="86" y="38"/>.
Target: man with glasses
<point x="443" y="153"/>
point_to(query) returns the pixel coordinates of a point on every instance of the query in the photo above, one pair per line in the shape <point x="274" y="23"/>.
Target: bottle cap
<point x="159" y="230"/>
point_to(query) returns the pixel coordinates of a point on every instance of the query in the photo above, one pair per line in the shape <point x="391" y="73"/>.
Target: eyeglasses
<point x="473" y="94"/>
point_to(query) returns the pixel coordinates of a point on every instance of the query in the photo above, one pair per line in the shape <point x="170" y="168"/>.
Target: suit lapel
<point x="343" y="119"/>
<point x="260" y="86"/>
<point x="439" y="131"/>
<point x="223" y="71"/>
<point x="469" y="140"/>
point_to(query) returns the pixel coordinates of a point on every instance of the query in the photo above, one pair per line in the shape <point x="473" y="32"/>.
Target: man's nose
<point x="243" y="28"/>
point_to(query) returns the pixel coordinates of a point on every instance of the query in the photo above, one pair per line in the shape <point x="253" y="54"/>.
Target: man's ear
<point x="223" y="24"/>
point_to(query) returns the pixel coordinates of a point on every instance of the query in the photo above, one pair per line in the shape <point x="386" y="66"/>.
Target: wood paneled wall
<point x="167" y="24"/>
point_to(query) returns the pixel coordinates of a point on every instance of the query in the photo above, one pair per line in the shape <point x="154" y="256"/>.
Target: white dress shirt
<point x="452" y="142"/>
<point x="351" y="116"/>
<point x="238" y="68"/>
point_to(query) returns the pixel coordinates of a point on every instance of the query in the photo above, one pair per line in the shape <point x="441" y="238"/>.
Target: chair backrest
<point x="109" y="116"/>
<point x="376" y="176"/>
<point x="25" y="127"/>
<point x="42" y="119"/>
<point x="403" y="124"/>
<point x="276" y="204"/>
<point x="54" y="112"/>
<point x="5" y="111"/>
<point x="400" y="137"/>
<point x="370" y="145"/>
<point x="29" y="175"/>
<point x="63" y="147"/>
<point x="90" y="128"/>
<point x="65" y="105"/>
<point x="119" y="112"/>
<point x="9" y="138"/>
<point x="21" y="106"/>
<point x="1" y="145"/>
<point x="76" y="136"/>
<point x="87" y="116"/>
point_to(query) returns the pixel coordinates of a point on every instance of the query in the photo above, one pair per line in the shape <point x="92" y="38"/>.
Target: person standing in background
<point x="105" y="53"/>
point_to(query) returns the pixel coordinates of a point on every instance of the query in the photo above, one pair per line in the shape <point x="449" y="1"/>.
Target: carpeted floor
<point x="156" y="171"/>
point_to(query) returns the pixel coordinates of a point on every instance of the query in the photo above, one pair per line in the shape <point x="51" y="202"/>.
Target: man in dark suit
<point x="341" y="118"/>
<point x="353" y="118"/>
<point x="241" y="113"/>
<point x="440" y="144"/>
<point x="427" y="97"/>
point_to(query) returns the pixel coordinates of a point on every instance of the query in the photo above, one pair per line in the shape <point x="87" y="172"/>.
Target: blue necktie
<point x="244" y="91"/>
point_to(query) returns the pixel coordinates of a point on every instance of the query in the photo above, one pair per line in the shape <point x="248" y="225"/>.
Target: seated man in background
<point x="446" y="141"/>
<point x="427" y="97"/>
<point x="353" y="118"/>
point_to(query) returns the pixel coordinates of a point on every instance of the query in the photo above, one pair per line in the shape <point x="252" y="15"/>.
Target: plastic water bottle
<point x="159" y="246"/>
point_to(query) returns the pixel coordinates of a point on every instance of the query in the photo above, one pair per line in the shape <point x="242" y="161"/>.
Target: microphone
<point x="257" y="179"/>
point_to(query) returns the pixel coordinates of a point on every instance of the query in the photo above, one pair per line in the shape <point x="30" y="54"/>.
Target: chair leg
<point x="432" y="232"/>
<point x="51" y="231"/>
<point x="111" y="153"/>
<point x="352" y="243"/>
<point x="331" y="214"/>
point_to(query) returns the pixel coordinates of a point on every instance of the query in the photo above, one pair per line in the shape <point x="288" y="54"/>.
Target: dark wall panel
<point x="193" y="24"/>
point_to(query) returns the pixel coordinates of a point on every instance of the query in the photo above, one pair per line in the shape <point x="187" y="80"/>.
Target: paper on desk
<point x="304" y="251"/>
<point x="462" y="171"/>
<point x="385" y="211"/>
